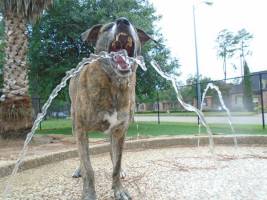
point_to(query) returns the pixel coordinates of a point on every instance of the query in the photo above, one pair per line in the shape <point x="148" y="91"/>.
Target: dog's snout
<point x="122" y="21"/>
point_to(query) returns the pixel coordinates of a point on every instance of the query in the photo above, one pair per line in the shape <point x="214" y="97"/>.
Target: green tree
<point x="241" y="41"/>
<point x="189" y="90"/>
<point x="229" y="44"/>
<point x="55" y="45"/>
<point x="248" y="94"/>
<point x="15" y="104"/>
<point x="225" y="47"/>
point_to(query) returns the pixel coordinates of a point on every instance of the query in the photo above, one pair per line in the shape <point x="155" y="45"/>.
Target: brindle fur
<point x="101" y="102"/>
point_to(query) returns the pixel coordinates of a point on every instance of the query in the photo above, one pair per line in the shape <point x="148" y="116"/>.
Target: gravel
<point x="162" y="174"/>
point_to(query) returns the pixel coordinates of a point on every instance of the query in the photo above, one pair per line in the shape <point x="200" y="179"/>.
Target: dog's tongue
<point x="121" y="61"/>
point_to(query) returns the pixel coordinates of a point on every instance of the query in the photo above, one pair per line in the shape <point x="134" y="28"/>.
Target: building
<point x="237" y="92"/>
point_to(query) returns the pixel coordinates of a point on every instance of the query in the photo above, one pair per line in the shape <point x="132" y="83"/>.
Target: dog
<point x="102" y="97"/>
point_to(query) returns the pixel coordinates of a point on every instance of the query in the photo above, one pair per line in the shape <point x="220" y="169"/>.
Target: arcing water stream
<point x="229" y="116"/>
<point x="174" y="80"/>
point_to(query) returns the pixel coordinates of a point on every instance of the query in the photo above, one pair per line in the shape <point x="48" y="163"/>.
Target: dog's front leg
<point x="86" y="167"/>
<point x="117" y="142"/>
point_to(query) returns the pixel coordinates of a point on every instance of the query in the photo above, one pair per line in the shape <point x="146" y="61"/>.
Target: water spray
<point x="174" y="81"/>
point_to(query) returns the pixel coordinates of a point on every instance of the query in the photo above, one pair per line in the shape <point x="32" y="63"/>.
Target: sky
<point x="177" y="28"/>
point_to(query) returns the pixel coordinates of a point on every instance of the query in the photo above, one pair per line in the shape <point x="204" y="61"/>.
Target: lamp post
<point x="198" y="91"/>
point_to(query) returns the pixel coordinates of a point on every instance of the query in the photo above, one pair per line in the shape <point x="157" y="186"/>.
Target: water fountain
<point x="180" y="163"/>
<point x="229" y="116"/>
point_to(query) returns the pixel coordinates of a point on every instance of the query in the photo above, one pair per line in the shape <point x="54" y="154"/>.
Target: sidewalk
<point x="255" y="119"/>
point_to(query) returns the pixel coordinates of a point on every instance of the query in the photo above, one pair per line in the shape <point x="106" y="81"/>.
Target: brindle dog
<point x="102" y="97"/>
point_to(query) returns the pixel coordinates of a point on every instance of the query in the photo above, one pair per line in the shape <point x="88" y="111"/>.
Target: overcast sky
<point x="177" y="27"/>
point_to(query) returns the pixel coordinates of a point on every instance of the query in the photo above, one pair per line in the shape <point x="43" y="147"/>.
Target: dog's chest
<point x="112" y="106"/>
<point x="101" y="104"/>
<point x="107" y="94"/>
<point x="110" y="99"/>
<point x="115" y="120"/>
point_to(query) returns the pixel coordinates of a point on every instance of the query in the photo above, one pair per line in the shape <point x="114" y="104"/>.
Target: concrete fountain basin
<point x="159" y="168"/>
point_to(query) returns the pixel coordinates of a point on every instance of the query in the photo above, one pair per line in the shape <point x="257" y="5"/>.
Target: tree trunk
<point x="224" y="69"/>
<point x="15" y="104"/>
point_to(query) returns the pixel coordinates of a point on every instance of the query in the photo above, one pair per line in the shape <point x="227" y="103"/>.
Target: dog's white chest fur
<point x="112" y="120"/>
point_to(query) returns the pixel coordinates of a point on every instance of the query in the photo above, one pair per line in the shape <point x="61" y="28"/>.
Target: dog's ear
<point x="91" y="34"/>
<point x="143" y="37"/>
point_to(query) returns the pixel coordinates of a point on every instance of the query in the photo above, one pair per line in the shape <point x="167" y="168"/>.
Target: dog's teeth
<point x="122" y="33"/>
<point x="119" y="34"/>
<point x="130" y="42"/>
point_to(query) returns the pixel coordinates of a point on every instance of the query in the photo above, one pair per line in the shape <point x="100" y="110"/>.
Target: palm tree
<point x="15" y="103"/>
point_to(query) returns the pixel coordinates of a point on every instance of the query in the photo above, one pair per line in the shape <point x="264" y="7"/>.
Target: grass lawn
<point x="63" y="126"/>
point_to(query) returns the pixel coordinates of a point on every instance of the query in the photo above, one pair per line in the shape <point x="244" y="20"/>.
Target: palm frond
<point x="30" y="9"/>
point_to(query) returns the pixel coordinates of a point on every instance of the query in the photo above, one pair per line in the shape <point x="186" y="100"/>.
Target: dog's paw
<point x="123" y="174"/>
<point x="88" y="197"/>
<point x="77" y="173"/>
<point x="121" y="194"/>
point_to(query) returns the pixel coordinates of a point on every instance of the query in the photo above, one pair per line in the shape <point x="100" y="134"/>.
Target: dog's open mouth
<point x="121" y="44"/>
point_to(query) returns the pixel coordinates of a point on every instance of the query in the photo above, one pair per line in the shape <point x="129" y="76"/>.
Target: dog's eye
<point x="108" y="27"/>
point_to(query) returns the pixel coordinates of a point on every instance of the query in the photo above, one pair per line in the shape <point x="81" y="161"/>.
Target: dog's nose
<point x="123" y="21"/>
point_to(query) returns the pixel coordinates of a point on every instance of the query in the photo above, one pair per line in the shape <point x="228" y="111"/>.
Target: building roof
<point x="255" y="80"/>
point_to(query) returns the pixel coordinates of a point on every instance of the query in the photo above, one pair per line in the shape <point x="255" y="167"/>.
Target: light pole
<point x="198" y="91"/>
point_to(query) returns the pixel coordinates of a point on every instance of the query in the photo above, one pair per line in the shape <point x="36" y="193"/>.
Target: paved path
<point x="255" y="119"/>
